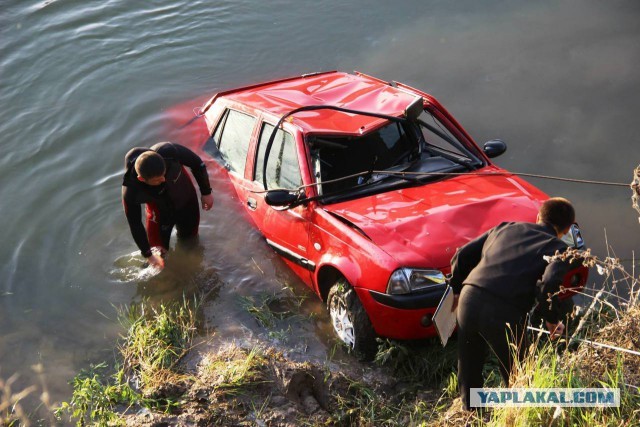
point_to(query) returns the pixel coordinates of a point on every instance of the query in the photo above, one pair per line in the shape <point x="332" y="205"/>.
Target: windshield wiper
<point x="393" y="174"/>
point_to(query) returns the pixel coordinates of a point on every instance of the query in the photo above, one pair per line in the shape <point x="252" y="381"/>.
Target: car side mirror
<point x="494" y="148"/>
<point x="413" y="110"/>
<point x="280" y="198"/>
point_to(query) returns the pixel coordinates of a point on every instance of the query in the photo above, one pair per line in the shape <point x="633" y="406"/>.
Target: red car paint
<point x="364" y="239"/>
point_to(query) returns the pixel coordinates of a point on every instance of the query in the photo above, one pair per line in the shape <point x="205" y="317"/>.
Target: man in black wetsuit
<point x="157" y="177"/>
<point x="496" y="280"/>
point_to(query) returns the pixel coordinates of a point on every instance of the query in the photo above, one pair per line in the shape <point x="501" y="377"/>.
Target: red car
<point x="370" y="187"/>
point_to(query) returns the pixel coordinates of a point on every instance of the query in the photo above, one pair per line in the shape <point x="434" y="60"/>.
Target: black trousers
<point x="483" y="321"/>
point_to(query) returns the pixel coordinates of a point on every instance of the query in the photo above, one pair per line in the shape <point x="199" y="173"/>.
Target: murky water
<point x="82" y="82"/>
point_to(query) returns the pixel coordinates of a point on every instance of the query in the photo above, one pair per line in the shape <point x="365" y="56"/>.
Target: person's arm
<point x="134" y="218"/>
<point x="465" y="259"/>
<point x="548" y="288"/>
<point x="199" y="170"/>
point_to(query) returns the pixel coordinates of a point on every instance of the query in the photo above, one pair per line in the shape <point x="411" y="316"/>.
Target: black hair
<point x="150" y="165"/>
<point x="557" y="212"/>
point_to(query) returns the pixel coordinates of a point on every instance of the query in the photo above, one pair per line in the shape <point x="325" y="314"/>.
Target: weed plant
<point x="156" y="339"/>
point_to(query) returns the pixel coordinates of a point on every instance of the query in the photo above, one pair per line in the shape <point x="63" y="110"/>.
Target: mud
<point x="277" y="392"/>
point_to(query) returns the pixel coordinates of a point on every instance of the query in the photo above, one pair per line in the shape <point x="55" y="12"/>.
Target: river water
<point x="81" y="82"/>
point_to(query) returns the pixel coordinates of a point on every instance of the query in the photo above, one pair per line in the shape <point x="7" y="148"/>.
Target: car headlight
<point x="573" y="238"/>
<point x="407" y="280"/>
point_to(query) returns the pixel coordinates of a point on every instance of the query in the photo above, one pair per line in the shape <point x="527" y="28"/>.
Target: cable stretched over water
<point x="635" y="185"/>
<point x="532" y="175"/>
<point x="594" y="343"/>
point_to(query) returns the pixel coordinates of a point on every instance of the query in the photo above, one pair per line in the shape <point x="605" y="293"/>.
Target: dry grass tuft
<point x="625" y="333"/>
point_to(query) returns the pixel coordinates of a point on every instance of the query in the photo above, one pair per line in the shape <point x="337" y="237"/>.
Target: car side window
<point x="232" y="137"/>
<point x="211" y="145"/>
<point x="283" y="169"/>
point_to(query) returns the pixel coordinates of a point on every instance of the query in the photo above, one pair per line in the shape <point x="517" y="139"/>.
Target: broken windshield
<point x="339" y="157"/>
<point x="345" y="166"/>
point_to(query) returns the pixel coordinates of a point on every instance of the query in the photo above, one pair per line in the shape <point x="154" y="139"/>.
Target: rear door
<point x="230" y="144"/>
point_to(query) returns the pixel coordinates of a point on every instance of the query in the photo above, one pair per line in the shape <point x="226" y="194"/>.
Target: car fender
<point x="334" y="263"/>
<point x="330" y="266"/>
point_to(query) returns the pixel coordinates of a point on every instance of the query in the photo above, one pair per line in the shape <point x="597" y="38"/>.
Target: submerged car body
<point x="364" y="199"/>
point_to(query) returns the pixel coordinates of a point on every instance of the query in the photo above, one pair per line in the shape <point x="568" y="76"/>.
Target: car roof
<point x="352" y="91"/>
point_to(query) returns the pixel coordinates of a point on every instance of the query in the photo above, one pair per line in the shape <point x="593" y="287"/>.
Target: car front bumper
<point x="402" y="316"/>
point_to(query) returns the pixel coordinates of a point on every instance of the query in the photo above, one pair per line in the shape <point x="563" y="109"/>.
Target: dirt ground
<point x="235" y="387"/>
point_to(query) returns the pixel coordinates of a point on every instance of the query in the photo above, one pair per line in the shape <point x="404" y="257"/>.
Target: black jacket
<point x="172" y="195"/>
<point x="507" y="262"/>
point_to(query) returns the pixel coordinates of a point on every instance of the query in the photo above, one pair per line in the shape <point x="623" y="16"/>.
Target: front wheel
<point x="350" y="321"/>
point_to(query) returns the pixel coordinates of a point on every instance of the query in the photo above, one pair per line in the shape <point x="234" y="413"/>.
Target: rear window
<point x="232" y="137"/>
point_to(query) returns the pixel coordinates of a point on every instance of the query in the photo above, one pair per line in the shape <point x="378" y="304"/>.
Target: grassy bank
<point x="147" y="374"/>
<point x="415" y="383"/>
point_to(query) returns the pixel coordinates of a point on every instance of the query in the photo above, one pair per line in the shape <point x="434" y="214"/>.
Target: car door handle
<point x="251" y="202"/>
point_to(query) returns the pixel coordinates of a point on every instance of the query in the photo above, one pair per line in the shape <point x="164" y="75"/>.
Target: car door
<point x="286" y="230"/>
<point x="230" y="143"/>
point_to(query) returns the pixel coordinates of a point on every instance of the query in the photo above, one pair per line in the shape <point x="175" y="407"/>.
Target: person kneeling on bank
<point x="496" y="280"/>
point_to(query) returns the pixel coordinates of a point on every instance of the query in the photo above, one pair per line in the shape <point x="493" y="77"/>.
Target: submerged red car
<point x="366" y="188"/>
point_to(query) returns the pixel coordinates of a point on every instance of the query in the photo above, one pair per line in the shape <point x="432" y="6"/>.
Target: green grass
<point x="155" y="341"/>
<point x="364" y="405"/>
<point x="426" y="362"/>
<point x="236" y="382"/>
<point x="270" y="310"/>
<point x="543" y="369"/>
<point x="94" y="398"/>
<point x="234" y="371"/>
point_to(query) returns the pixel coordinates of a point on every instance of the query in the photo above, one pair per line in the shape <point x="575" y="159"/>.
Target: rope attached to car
<point x="635" y="185"/>
<point x="593" y="343"/>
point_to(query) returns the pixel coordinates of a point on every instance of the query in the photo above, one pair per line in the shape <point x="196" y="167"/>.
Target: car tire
<point x="350" y="321"/>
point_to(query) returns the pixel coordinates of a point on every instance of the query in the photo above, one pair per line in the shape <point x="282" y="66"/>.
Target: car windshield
<point x="354" y="166"/>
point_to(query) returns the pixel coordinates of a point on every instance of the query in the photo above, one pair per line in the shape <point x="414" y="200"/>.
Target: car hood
<point x="423" y="226"/>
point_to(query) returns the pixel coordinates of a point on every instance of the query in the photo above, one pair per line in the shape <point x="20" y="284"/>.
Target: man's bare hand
<point x="207" y="202"/>
<point x="555" y="329"/>
<point x="156" y="260"/>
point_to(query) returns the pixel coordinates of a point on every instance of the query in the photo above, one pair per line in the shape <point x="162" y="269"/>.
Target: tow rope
<point x="594" y="343"/>
<point x="635" y="184"/>
<point x="532" y="175"/>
